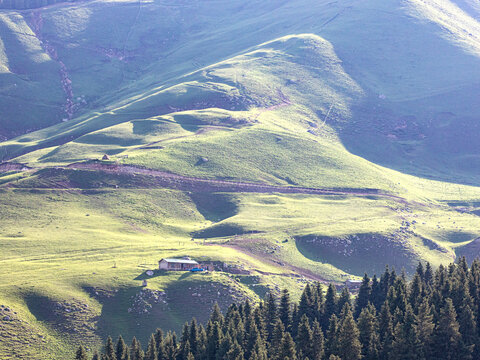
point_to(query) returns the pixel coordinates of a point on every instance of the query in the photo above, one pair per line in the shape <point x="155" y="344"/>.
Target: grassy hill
<point x="298" y="140"/>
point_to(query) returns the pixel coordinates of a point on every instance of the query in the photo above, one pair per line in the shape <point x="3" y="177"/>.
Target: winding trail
<point x="188" y="183"/>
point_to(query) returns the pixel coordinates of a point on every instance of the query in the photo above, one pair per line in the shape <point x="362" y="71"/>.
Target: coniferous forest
<point x="435" y="315"/>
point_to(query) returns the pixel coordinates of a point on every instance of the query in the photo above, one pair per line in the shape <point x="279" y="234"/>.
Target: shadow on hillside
<point x="358" y="253"/>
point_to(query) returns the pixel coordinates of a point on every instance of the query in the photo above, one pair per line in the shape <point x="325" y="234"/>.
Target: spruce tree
<point x="349" y="347"/>
<point x="343" y="299"/>
<point x="151" y="353"/>
<point x="304" y="339"/>
<point x="110" y="349"/>
<point x="136" y="352"/>
<point x="287" y="348"/>
<point x="368" y="328"/>
<point x="424" y="328"/>
<point x="285" y="310"/>
<point x="385" y="330"/>
<point x="217" y="315"/>
<point x="468" y="330"/>
<point x="81" y="353"/>
<point x="331" y="342"/>
<point x="271" y="315"/>
<point x="318" y="341"/>
<point x="235" y="352"/>
<point x="96" y="356"/>
<point x="215" y="336"/>
<point x="121" y="351"/>
<point x="447" y="337"/>
<point x="405" y="346"/>
<point x="193" y="337"/>
<point x="363" y="297"/>
<point x="330" y="306"/>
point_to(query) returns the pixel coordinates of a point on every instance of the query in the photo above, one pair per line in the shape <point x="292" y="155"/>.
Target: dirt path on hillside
<point x="188" y="183"/>
<point x="295" y="271"/>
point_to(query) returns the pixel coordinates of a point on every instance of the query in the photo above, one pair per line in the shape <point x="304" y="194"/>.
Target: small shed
<point x="185" y="264"/>
<point x="105" y="157"/>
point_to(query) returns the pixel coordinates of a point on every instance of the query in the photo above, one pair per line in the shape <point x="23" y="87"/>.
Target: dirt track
<point x="187" y="183"/>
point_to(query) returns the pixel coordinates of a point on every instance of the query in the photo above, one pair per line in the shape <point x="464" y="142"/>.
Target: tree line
<point x="435" y="315"/>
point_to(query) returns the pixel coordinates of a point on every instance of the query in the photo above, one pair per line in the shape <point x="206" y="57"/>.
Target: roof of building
<point x="181" y="261"/>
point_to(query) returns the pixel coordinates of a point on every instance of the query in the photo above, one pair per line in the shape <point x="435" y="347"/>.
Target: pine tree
<point x="343" y="299"/>
<point x="318" y="341"/>
<point x="225" y="346"/>
<point x="446" y="338"/>
<point x="287" y="348"/>
<point x="273" y="346"/>
<point x="363" y="297"/>
<point x="215" y="336"/>
<point x="110" y="349"/>
<point x="368" y="328"/>
<point x="416" y="292"/>
<point x="376" y="296"/>
<point x="349" y="347"/>
<point x="170" y="346"/>
<point x="81" y="354"/>
<point x="385" y="330"/>
<point x="121" y="351"/>
<point x="271" y="315"/>
<point x="217" y="315"/>
<point x="285" y="310"/>
<point x="305" y="338"/>
<point x="193" y="337"/>
<point x="468" y="330"/>
<point x="235" y="352"/>
<point x="151" y="353"/>
<point x="424" y="327"/>
<point x="331" y="343"/>
<point x="136" y="352"/>
<point x="305" y="307"/>
<point x="96" y="356"/>
<point x="406" y="342"/>
<point x="428" y="275"/>
<point x="330" y="306"/>
<point x="258" y="350"/>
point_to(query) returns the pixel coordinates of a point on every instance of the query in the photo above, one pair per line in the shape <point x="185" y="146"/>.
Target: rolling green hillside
<point x="295" y="140"/>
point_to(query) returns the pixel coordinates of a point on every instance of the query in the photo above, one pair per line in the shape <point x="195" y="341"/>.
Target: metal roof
<point x="181" y="261"/>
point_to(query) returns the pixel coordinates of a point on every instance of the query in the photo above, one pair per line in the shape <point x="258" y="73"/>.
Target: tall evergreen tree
<point x="343" y="299"/>
<point x="424" y="327"/>
<point x="287" y="348"/>
<point x="318" y="341"/>
<point x="81" y="354"/>
<point x="446" y="338"/>
<point x="368" y="328"/>
<point x="305" y="338"/>
<point x="285" y="310"/>
<point x="330" y="307"/>
<point x="110" y="349"/>
<point x="363" y="297"/>
<point x="271" y="315"/>
<point x="136" y="352"/>
<point x="331" y="343"/>
<point x="121" y="351"/>
<point x="349" y="347"/>
<point x="151" y="353"/>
